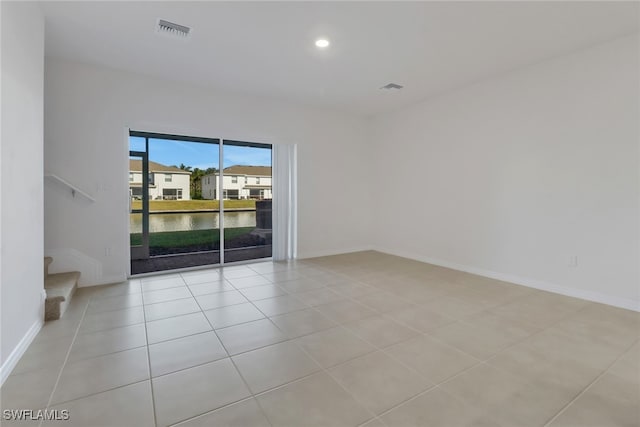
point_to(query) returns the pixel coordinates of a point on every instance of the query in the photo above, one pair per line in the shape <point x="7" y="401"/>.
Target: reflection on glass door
<point x="246" y="190"/>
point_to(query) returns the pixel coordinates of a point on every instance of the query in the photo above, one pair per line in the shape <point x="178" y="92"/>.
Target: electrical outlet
<point x="107" y="251"/>
<point x="573" y="261"/>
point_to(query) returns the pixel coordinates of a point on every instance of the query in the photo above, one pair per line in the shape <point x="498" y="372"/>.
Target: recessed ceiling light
<point x="390" y="86"/>
<point x="322" y="43"/>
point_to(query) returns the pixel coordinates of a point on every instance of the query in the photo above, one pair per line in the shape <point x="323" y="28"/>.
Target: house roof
<point x="248" y="170"/>
<point x="136" y="166"/>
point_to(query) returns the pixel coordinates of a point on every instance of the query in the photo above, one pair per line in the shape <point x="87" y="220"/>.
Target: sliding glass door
<point x="188" y="208"/>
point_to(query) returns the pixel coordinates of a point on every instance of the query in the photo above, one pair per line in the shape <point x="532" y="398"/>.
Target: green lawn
<point x="178" y="239"/>
<point x="187" y="205"/>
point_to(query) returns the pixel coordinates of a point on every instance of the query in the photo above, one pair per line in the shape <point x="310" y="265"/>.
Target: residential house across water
<point x="240" y="182"/>
<point x="165" y="182"/>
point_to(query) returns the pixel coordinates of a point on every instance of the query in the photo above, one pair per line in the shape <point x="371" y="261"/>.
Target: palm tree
<point x="196" y="183"/>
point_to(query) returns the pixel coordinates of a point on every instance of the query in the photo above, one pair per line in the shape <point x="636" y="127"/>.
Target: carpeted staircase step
<point x="60" y="288"/>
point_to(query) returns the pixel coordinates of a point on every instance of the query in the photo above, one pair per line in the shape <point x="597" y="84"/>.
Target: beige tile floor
<point x="359" y="339"/>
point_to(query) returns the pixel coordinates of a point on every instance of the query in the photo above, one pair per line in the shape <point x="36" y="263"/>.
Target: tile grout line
<point x="146" y="336"/>
<point x="385" y="349"/>
<point x="100" y="392"/>
<point x="462" y="320"/>
<point x="246" y="384"/>
<point x="375" y="349"/>
<point x="85" y="310"/>
<point x="352" y="299"/>
<point x="66" y="358"/>
<point x="89" y="358"/>
<point x="237" y="402"/>
<point x="485" y="362"/>
<point x="591" y="384"/>
<point x="293" y="340"/>
<point x="437" y="385"/>
<point x="545" y="329"/>
<point x="326" y="371"/>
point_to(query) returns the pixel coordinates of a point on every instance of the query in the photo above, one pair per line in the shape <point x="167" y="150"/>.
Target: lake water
<point x="192" y="221"/>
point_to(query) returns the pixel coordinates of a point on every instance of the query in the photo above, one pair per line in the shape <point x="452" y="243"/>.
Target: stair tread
<point x="61" y="284"/>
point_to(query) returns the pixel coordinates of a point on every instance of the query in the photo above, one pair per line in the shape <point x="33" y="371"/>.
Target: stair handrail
<point x="74" y="190"/>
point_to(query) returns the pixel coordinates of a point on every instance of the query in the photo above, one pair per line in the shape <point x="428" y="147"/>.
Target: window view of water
<point x="192" y="221"/>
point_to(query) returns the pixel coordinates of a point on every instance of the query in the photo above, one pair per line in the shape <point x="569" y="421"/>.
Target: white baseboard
<point x="68" y="259"/>
<point x="330" y="252"/>
<point x="106" y="280"/>
<point x="43" y="300"/>
<point x="19" y="350"/>
<point x="627" y="303"/>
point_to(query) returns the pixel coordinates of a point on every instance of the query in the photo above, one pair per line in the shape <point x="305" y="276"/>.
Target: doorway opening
<point x="197" y="201"/>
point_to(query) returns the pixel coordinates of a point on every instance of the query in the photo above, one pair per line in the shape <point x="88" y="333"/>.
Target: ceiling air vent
<point x="171" y="29"/>
<point x="392" y="86"/>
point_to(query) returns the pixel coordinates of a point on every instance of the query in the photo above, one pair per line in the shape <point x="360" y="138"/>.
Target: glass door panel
<point x="247" y="193"/>
<point x="183" y="215"/>
<point x="138" y="205"/>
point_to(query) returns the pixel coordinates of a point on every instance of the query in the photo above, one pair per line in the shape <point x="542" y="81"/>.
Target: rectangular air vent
<point x="392" y="86"/>
<point x="171" y="29"/>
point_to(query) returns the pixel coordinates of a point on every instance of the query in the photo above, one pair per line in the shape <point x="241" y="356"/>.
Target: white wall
<point x="21" y="153"/>
<point x="509" y="178"/>
<point x="513" y="176"/>
<point x="87" y="109"/>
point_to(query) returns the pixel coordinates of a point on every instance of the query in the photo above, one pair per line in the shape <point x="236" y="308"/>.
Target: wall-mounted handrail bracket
<point x="74" y="190"/>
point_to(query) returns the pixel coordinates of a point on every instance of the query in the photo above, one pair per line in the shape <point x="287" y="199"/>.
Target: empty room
<point x="325" y="214"/>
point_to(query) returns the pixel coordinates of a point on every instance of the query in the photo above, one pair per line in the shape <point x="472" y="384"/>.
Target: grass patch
<point x="188" y="205"/>
<point x="178" y="239"/>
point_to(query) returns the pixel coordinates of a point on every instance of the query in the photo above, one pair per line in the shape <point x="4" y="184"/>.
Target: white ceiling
<point x="267" y="49"/>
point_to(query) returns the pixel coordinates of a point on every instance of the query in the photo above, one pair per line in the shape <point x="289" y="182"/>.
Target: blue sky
<point x="200" y="155"/>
